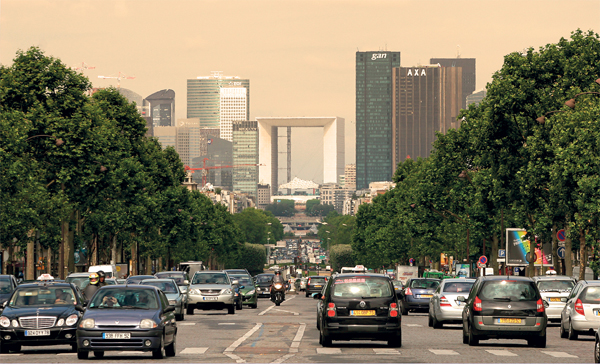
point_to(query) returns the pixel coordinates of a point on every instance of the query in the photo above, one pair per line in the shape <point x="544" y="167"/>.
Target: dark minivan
<point x="359" y="307"/>
<point x="315" y="284"/>
<point x="504" y="307"/>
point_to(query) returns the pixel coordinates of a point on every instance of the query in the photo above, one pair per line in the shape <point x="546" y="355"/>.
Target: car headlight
<point x="148" y="324"/>
<point x="250" y="293"/>
<point x="4" y="321"/>
<point x="173" y="302"/>
<point x="258" y="288"/>
<point x="15" y="323"/>
<point x="71" y="320"/>
<point x="87" y="324"/>
<point x="226" y="291"/>
<point x="195" y="291"/>
<point x="60" y="322"/>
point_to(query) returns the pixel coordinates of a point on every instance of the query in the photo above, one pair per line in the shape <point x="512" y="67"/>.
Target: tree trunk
<point x="568" y="253"/>
<point x="70" y="245"/>
<point x="159" y="268"/>
<point x="148" y="265"/>
<point x="134" y="258"/>
<point x="30" y="274"/>
<point x="494" y="254"/>
<point x="49" y="260"/>
<point x="582" y="254"/>
<point x="94" y="250"/>
<point x="555" y="259"/>
<point x="113" y="250"/>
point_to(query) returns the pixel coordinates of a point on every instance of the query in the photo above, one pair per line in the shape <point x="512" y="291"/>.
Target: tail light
<point x="393" y="309"/>
<point x="331" y="309"/>
<point x="477" y="304"/>
<point x="444" y="302"/>
<point x="540" y="305"/>
<point x="308" y="281"/>
<point x="579" y="307"/>
<point x="408" y="292"/>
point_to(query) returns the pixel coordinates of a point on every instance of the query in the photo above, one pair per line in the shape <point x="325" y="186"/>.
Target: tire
<point x="254" y="305"/>
<point x="99" y="354"/>
<point x="430" y="320"/>
<point x="572" y="334"/>
<point x="540" y="342"/>
<point x="171" y="349"/>
<point x="396" y="342"/>
<point x="231" y="310"/>
<point x="563" y="332"/>
<point x="597" y="351"/>
<point x="403" y="309"/>
<point x="160" y="352"/>
<point x="178" y="317"/>
<point x="82" y="355"/>
<point x="73" y="348"/>
<point x="240" y="306"/>
<point x="318" y="324"/>
<point x="306" y="294"/>
<point x="189" y="310"/>
<point x="435" y="323"/>
<point x="465" y="335"/>
<point x="4" y="348"/>
<point x="324" y="340"/>
<point x="473" y="339"/>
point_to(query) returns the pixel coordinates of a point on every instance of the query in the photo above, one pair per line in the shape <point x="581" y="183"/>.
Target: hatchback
<point x="170" y="288"/>
<point x="315" y="284"/>
<point x="263" y="284"/>
<point x="416" y="294"/>
<point x="504" y="307"/>
<point x="359" y="307"/>
<point x="553" y="289"/>
<point x="581" y="314"/>
<point x="444" y="306"/>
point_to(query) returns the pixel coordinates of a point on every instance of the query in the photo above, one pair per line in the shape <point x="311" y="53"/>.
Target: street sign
<point x="561" y="252"/>
<point x="516" y="269"/>
<point x="411" y="260"/>
<point x="481" y="265"/>
<point x="483" y="259"/>
<point x="501" y="253"/>
<point x="560" y="235"/>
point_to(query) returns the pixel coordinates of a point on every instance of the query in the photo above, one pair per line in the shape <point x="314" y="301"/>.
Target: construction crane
<point x="205" y="169"/>
<point x="84" y="66"/>
<point x="120" y="77"/>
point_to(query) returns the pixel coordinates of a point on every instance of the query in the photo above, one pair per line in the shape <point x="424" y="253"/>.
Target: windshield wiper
<point x="503" y="299"/>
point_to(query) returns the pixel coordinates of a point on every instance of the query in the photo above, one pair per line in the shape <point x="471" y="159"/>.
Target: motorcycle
<point x="278" y="293"/>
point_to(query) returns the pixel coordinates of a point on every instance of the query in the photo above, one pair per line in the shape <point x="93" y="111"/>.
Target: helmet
<point x="277" y="273"/>
<point x="101" y="274"/>
<point x="94" y="276"/>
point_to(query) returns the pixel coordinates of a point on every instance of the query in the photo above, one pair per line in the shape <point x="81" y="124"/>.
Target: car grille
<point x="210" y="292"/>
<point x="37" y="322"/>
<point x="117" y="326"/>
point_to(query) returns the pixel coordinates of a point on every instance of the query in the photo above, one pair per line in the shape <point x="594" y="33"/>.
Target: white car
<point x="444" y="306"/>
<point x="211" y="290"/>
<point x="553" y="288"/>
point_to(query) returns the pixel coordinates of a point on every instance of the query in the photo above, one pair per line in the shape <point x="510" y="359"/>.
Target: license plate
<point x="362" y="313"/>
<point x="116" y="335"/>
<point x="597" y="312"/>
<point x="37" y="333"/>
<point x="554" y="299"/>
<point x="317" y="285"/>
<point x="509" y="321"/>
<point x="210" y="298"/>
<point x="426" y="296"/>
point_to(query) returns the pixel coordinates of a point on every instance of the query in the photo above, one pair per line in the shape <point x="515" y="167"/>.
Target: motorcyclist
<point x="277" y="278"/>
<point x="92" y="287"/>
<point x="101" y="278"/>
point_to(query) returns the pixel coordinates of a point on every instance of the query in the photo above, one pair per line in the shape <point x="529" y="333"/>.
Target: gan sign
<point x="517" y="247"/>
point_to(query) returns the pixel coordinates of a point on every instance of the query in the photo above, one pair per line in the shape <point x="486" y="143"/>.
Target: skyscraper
<point x="374" y="116"/>
<point x="233" y="107"/>
<point x="245" y="151"/>
<point x="468" y="74"/>
<point x="162" y="108"/>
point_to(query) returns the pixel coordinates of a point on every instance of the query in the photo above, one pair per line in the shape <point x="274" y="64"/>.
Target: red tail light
<point x="540" y="305"/>
<point x="393" y="309"/>
<point x="579" y="307"/>
<point x="308" y="281"/>
<point x="331" y="309"/>
<point x="408" y="291"/>
<point x="477" y="304"/>
<point x="444" y="302"/>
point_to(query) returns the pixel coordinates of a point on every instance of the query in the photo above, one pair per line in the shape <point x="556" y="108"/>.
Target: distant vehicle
<point x="406" y="272"/>
<point x="191" y="267"/>
<point x="553" y="288"/>
<point x="110" y="270"/>
<point x="417" y="293"/>
<point x="355" y="269"/>
<point x="581" y="314"/>
<point x="8" y="283"/>
<point x="444" y="306"/>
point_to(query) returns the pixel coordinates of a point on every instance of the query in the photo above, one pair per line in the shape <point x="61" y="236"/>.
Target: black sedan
<point x="127" y="318"/>
<point x="44" y="313"/>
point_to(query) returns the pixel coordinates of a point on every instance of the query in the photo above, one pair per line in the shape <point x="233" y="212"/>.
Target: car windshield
<point x="264" y="279"/>
<point x="166" y="287"/>
<point x="138" y="279"/>
<point x="43" y="296"/>
<point x="210" y="278"/>
<point x="243" y="279"/>
<point x="177" y="277"/>
<point x="5" y="286"/>
<point x="361" y="287"/>
<point x="508" y="290"/>
<point x="121" y="297"/>
<point x="590" y="295"/>
<point x="458" y="287"/>
<point x="424" y="284"/>
<point x="558" y="285"/>
<point x="317" y="280"/>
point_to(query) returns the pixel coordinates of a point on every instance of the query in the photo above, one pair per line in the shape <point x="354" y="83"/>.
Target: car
<point x="303" y="284"/>
<point x="597" y="348"/>
<point x="315" y="284"/>
<point x="553" y="288"/>
<point x="398" y="286"/>
<point x="138" y="279"/>
<point x="359" y="306"/>
<point x="81" y="279"/>
<point x="263" y="283"/>
<point x="121" y="280"/>
<point x="211" y="290"/>
<point x="180" y="277"/>
<point x="444" y="306"/>
<point x="127" y="318"/>
<point x="8" y="283"/>
<point x="111" y="281"/>
<point x="417" y="292"/>
<point x="40" y="314"/>
<point x="581" y="314"/>
<point x="174" y="295"/>
<point x="110" y="270"/>
<point x="247" y="289"/>
<point x="504" y="307"/>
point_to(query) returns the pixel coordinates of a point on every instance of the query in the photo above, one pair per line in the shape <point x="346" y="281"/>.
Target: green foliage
<point x="258" y="226"/>
<point x="252" y="257"/>
<point x="282" y="208"/>
<point x="341" y="256"/>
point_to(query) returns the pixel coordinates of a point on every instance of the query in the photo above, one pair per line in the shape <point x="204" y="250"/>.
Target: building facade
<point x="469" y="79"/>
<point x="161" y="106"/>
<point x="166" y="135"/>
<point x="476" y="97"/>
<point x="374" y="115"/>
<point x="233" y="107"/>
<point x="333" y="194"/>
<point x="264" y="196"/>
<point x="245" y="157"/>
<point x="350" y="177"/>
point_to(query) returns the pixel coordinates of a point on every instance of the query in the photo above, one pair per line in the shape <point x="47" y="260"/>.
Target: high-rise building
<point x="264" y="196"/>
<point x="162" y="108"/>
<point x="350" y="177"/>
<point x="233" y="107"/>
<point x="468" y="74"/>
<point x="476" y="97"/>
<point x="204" y="97"/>
<point x="245" y="151"/>
<point x="427" y="99"/>
<point x="374" y="116"/>
<point x="219" y="153"/>
<point x="166" y="135"/>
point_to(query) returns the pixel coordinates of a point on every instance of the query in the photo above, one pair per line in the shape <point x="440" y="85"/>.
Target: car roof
<point x="422" y="278"/>
<point x="172" y="272"/>
<point x="133" y="286"/>
<point x="342" y="275"/>
<point x="80" y="274"/>
<point x="504" y="278"/>
<point x="591" y="282"/>
<point x="158" y="280"/>
<point x="46" y="284"/>
<point x="210" y="271"/>
<point x="553" y="278"/>
<point x="454" y="280"/>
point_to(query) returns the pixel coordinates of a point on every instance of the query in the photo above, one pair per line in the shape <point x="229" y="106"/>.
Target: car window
<point x="166" y="287"/>
<point x="558" y="285"/>
<point x="5" y="286"/>
<point x="124" y="298"/>
<point x="43" y="296"/>
<point x="590" y="294"/>
<point x="210" y="278"/>
<point x="361" y="287"/>
<point x="264" y="279"/>
<point x="424" y="284"/>
<point x="243" y="280"/>
<point x="458" y="287"/>
<point x="508" y="289"/>
<point x="177" y="277"/>
<point x="575" y="290"/>
<point x="318" y="280"/>
<point x="164" y="300"/>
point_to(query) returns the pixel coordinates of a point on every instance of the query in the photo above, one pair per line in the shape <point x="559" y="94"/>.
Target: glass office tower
<point x="374" y="116"/>
<point x="245" y="151"/>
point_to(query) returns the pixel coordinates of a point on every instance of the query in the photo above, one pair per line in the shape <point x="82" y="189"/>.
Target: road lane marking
<point x="559" y="354"/>
<point x="386" y="351"/>
<point x="329" y="351"/>
<point x="295" y="313"/>
<point x="186" y="324"/>
<point x="443" y="352"/>
<point x="66" y="354"/>
<point x="267" y="310"/>
<point x="229" y="350"/>
<point x="501" y="352"/>
<point x="10" y="355"/>
<point x="413" y="325"/>
<point x="282" y="359"/>
<point x="293" y="346"/>
<point x="226" y="323"/>
<point x="193" y="351"/>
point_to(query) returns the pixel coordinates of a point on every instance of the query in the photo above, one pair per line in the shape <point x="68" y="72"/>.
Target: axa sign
<point x="375" y="56"/>
<point x="416" y="72"/>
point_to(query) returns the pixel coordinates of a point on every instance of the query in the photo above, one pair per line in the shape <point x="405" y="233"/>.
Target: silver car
<point x="173" y="292"/>
<point x="581" y="314"/>
<point x="553" y="288"/>
<point x="444" y="308"/>
<point x="211" y="290"/>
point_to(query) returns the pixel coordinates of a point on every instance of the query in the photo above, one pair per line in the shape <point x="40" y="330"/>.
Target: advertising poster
<point x="517" y="247"/>
<point x="463" y="270"/>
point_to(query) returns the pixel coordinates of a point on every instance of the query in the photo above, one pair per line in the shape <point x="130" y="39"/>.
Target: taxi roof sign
<point x="44" y="277"/>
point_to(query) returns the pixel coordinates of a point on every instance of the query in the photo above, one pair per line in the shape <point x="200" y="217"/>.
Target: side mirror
<point x="235" y="283"/>
<point x="563" y="299"/>
<point x="317" y="296"/>
<point x="79" y="308"/>
<point x="242" y="287"/>
<point x="170" y="308"/>
<point x="186" y="282"/>
<point x="461" y="299"/>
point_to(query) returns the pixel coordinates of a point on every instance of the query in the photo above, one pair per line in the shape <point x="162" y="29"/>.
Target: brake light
<point x="393" y="309"/>
<point x="408" y="291"/>
<point x="477" y="304"/>
<point x="331" y="309"/>
<point x="579" y="307"/>
<point x="444" y="302"/>
<point x="308" y="281"/>
<point x="540" y="305"/>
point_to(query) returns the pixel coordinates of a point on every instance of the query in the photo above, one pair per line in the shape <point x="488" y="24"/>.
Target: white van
<point x="110" y="270"/>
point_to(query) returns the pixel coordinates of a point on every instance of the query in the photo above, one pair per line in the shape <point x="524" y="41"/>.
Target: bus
<point x="355" y="269"/>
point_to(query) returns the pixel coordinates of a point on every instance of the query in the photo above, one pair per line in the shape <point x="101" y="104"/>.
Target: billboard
<point x="463" y="270"/>
<point x="517" y="246"/>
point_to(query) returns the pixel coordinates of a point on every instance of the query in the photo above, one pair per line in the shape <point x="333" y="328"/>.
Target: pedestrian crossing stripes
<point x="193" y="351"/>
<point x="559" y="354"/>
<point x="501" y="353"/>
<point x="444" y="352"/>
<point x="386" y="351"/>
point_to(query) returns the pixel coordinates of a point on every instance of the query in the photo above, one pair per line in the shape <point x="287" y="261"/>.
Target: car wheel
<point x="73" y="348"/>
<point x="541" y="342"/>
<point x="254" y="305"/>
<point x="403" y="308"/>
<point x="563" y="332"/>
<point x="572" y="334"/>
<point x="430" y="320"/>
<point x="99" y="354"/>
<point x="160" y="352"/>
<point x="190" y="310"/>
<point x="435" y="323"/>
<point x="597" y="351"/>
<point x="82" y="354"/>
<point x="324" y="340"/>
<point x="465" y="335"/>
<point x="3" y="348"/>
<point x="171" y="349"/>
<point x="306" y="294"/>
<point x="473" y="340"/>
<point x="231" y="310"/>
<point x="240" y="306"/>
<point x="396" y="342"/>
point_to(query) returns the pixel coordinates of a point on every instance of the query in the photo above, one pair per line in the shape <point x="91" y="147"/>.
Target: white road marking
<point x="501" y="352"/>
<point x="413" y="325"/>
<point x="9" y="355"/>
<point x="66" y="354"/>
<point x="193" y="351"/>
<point x="293" y="346"/>
<point x="229" y="351"/>
<point x="386" y="351"/>
<point x="282" y="359"/>
<point x="295" y="313"/>
<point x="444" y="352"/>
<point x="329" y="351"/>
<point x="267" y="310"/>
<point x="226" y="323"/>
<point x="186" y="324"/>
<point x="559" y="354"/>
<point x="130" y="353"/>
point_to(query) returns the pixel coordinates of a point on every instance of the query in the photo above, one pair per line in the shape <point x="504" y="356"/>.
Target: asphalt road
<point x="288" y="334"/>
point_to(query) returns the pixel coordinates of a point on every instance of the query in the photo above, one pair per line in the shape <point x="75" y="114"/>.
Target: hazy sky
<point x="298" y="55"/>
